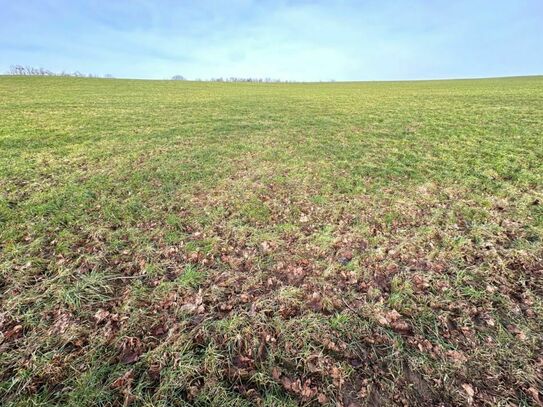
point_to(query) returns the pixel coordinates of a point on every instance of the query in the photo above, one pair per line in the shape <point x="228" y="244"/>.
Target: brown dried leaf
<point x="242" y="362"/>
<point x="286" y="382"/>
<point x="321" y="398"/>
<point x="392" y="316"/>
<point x="131" y="349"/>
<point x="195" y="306"/>
<point x="63" y="319"/>
<point x="124" y="381"/>
<point x="534" y="393"/>
<point x="400" y="326"/>
<point x="13" y="332"/>
<point x="468" y="388"/>
<point x="457" y="357"/>
<point x="101" y="315"/>
<point x="276" y="373"/>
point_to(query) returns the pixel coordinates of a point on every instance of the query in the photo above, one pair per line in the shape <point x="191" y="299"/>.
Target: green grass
<point x="183" y="243"/>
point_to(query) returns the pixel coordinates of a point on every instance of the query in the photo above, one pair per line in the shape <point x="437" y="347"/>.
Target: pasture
<point x="236" y="244"/>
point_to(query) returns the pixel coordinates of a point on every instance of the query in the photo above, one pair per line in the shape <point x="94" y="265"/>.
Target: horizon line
<point x="274" y="81"/>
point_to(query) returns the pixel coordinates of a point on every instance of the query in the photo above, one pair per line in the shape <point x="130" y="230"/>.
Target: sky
<point x="299" y="40"/>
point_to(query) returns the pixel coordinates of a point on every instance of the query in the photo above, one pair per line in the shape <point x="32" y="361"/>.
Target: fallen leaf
<point x="392" y="316"/>
<point x="124" y="381"/>
<point x="196" y="306"/>
<point x="131" y="349"/>
<point x="457" y="357"/>
<point x="13" y="332"/>
<point x="321" y="398"/>
<point x="62" y="322"/>
<point x="532" y="391"/>
<point x="469" y="390"/>
<point x="101" y="315"/>
<point x="286" y="382"/>
<point x="276" y="373"/>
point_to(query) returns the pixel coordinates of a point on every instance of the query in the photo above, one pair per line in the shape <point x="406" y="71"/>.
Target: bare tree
<point x="20" y="70"/>
<point x="16" y="70"/>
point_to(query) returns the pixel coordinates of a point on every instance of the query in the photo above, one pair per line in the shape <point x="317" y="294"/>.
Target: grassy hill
<point x="185" y="243"/>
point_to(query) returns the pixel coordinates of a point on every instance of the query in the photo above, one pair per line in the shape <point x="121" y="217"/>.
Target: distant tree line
<point x="233" y="79"/>
<point x="27" y="70"/>
<point x="254" y="80"/>
<point x="21" y="70"/>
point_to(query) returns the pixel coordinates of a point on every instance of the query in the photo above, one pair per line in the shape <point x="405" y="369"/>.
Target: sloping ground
<point x="167" y="243"/>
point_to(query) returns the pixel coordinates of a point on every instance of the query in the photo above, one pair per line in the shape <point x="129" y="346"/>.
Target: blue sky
<point x="286" y="39"/>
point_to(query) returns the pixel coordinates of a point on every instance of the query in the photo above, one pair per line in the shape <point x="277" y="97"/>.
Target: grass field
<point x="182" y="243"/>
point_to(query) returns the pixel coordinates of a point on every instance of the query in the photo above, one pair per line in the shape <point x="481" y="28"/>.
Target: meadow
<point x="171" y="243"/>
